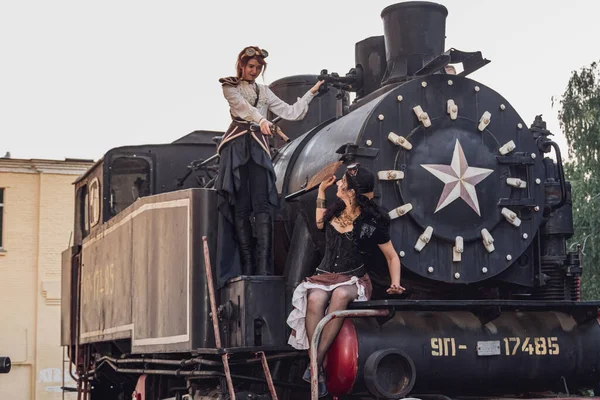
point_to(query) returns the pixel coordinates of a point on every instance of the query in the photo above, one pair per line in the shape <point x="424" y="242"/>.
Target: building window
<point x="1" y="217"/>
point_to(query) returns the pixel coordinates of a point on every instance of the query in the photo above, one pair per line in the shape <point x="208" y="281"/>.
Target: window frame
<point x="83" y="210"/>
<point x="110" y="184"/>
<point x="94" y="203"/>
<point x="2" y="192"/>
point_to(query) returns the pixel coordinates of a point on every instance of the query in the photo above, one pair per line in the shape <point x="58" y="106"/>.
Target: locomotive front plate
<point x="466" y="205"/>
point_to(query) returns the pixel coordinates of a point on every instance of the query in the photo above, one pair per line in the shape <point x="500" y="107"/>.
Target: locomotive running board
<point x="443" y="397"/>
<point x="580" y="310"/>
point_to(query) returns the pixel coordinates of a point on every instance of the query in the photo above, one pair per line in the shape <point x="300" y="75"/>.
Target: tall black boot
<point x="264" y="244"/>
<point x="243" y="230"/>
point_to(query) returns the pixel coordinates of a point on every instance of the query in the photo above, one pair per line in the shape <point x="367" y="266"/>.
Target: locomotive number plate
<point x="488" y="348"/>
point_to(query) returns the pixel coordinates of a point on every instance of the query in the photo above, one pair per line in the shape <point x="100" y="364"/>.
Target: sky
<point x="78" y="78"/>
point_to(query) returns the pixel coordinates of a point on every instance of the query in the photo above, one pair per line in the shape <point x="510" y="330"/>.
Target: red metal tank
<point x="341" y="363"/>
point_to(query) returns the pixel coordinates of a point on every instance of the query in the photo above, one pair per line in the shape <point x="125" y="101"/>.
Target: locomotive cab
<point x="124" y="183"/>
<point x="127" y="173"/>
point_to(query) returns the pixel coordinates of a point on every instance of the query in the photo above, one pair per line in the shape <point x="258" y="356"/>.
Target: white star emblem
<point x="459" y="180"/>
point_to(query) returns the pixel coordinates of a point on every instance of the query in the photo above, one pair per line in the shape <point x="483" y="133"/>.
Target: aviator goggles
<point x="251" y="52"/>
<point x="352" y="169"/>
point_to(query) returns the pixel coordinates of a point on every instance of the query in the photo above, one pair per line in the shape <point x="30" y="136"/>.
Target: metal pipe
<point x="297" y="388"/>
<point x="71" y="370"/>
<point x="63" y="362"/>
<point x="193" y="374"/>
<point x="314" y="343"/>
<point x="77" y="326"/>
<point x="201" y="361"/>
<point x="267" y="372"/>
<point x="274" y="357"/>
<point x="215" y="320"/>
<point x="87" y="357"/>
<point x="179" y="363"/>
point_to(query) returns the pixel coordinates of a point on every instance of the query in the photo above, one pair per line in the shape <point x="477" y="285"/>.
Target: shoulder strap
<point x="257" y="94"/>
<point x="230" y="81"/>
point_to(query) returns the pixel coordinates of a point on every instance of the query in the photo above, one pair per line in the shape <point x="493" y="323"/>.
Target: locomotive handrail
<point x="195" y="166"/>
<point x="561" y="173"/>
<point x="541" y="134"/>
<point x="314" y="344"/>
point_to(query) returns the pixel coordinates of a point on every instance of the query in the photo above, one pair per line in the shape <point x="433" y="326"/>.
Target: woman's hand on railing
<point x="395" y="289"/>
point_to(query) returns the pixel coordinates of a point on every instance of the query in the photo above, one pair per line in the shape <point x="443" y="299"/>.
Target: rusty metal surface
<point x="215" y="318"/>
<point x="267" y="372"/>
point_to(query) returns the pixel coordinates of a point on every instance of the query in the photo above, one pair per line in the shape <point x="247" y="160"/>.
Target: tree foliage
<point x="579" y="117"/>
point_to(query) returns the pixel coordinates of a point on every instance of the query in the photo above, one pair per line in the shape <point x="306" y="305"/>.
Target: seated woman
<point x="355" y="227"/>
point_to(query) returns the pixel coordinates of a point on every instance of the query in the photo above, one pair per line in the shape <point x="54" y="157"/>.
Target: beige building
<point x="36" y="221"/>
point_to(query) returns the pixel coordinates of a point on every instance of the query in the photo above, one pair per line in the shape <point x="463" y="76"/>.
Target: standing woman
<point x="356" y="230"/>
<point x="246" y="180"/>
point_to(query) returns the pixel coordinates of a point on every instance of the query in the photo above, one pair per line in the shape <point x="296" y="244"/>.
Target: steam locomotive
<point x="480" y="218"/>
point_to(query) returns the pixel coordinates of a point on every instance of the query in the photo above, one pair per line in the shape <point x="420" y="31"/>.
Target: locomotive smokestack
<point x="415" y="33"/>
<point x="370" y="59"/>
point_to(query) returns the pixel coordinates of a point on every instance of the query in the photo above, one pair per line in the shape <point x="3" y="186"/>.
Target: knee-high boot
<point x="264" y="242"/>
<point x="243" y="230"/>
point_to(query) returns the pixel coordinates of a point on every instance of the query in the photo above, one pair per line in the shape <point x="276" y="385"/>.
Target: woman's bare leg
<point x="340" y="298"/>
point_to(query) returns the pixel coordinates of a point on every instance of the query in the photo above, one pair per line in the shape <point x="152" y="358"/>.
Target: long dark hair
<point x="362" y="182"/>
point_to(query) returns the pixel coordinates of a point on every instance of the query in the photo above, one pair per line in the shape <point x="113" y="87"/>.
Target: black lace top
<point x="355" y="251"/>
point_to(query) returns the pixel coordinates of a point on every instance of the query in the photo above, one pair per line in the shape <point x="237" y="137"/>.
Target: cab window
<point x="129" y="180"/>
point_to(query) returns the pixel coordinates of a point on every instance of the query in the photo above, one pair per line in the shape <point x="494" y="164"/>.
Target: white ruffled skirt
<point x="328" y="282"/>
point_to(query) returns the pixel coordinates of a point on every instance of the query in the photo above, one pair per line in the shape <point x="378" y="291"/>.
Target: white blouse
<point x="242" y="96"/>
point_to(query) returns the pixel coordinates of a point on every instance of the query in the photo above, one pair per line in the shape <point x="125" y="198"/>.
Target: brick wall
<point x="38" y="220"/>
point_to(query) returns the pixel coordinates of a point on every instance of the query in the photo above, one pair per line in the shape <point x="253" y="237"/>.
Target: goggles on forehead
<point x="251" y="52"/>
<point x="352" y="169"/>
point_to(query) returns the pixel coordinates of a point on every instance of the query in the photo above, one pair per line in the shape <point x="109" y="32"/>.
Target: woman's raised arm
<point x="321" y="202"/>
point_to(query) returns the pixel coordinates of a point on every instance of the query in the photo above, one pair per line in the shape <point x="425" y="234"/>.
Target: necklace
<point x="345" y="219"/>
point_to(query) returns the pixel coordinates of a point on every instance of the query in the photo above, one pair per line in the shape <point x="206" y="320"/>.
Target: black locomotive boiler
<point x="480" y="218"/>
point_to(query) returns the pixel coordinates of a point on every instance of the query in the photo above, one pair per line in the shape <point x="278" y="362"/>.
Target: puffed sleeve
<point x="239" y="106"/>
<point x="382" y="231"/>
<point x="292" y="112"/>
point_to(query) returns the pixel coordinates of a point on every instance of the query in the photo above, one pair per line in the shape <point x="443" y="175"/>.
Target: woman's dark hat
<point x="362" y="178"/>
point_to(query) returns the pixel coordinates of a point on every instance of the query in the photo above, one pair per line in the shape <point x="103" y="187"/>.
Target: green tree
<point x="579" y="117"/>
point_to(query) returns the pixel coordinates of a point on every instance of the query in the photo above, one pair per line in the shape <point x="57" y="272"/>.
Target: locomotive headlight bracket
<point x="351" y="151"/>
<point x="471" y="62"/>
